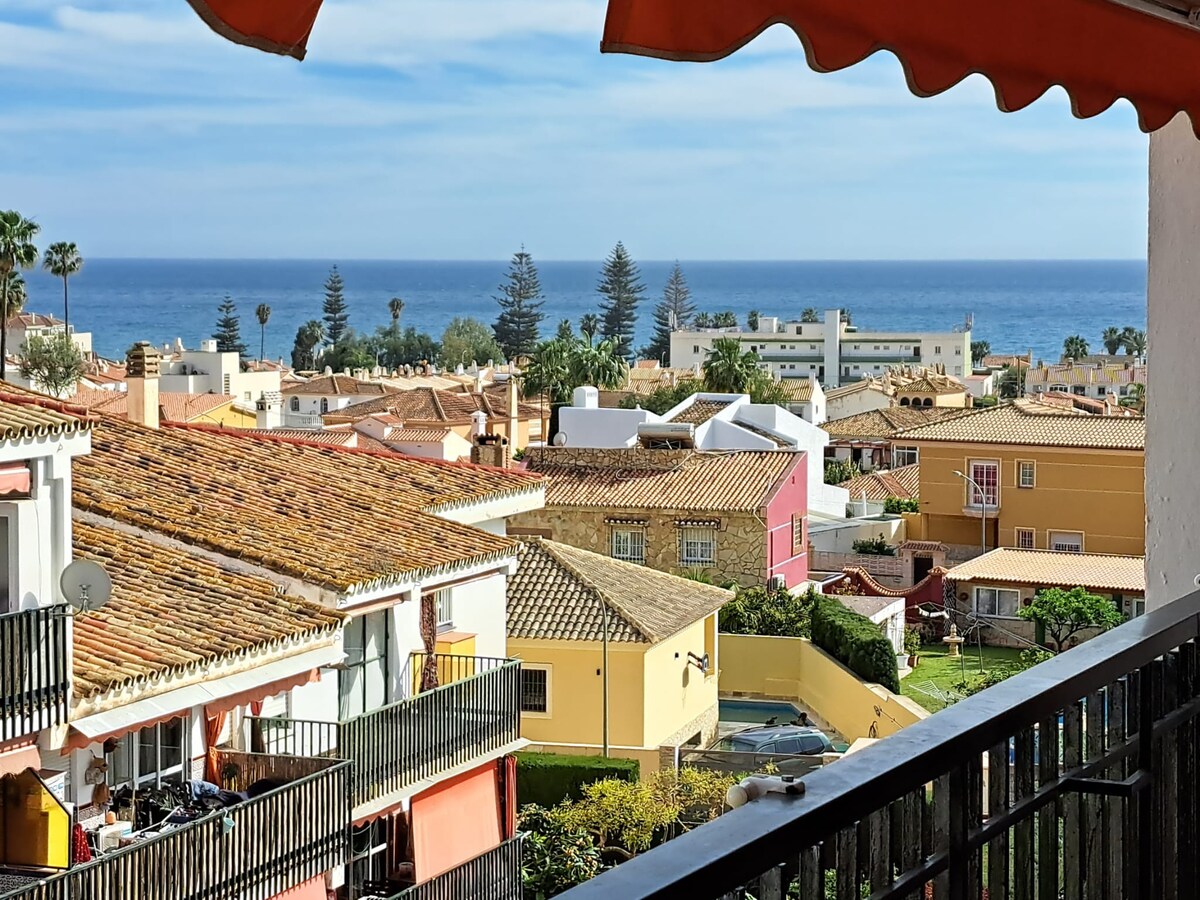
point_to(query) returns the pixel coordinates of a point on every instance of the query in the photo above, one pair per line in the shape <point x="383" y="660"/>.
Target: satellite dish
<point x="560" y="439"/>
<point x="86" y="585"/>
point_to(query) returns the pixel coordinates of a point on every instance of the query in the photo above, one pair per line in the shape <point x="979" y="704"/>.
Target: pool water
<point x="756" y="712"/>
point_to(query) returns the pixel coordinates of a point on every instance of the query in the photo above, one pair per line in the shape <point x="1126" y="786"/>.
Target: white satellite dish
<point x="85" y="585"/>
<point x="560" y="439"/>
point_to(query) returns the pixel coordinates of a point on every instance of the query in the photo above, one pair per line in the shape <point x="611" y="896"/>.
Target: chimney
<point x="478" y="381"/>
<point x="141" y="366"/>
<point x="491" y="450"/>
<point x="514" y="423"/>
<point x="268" y="410"/>
<point x="478" y="423"/>
<point x="208" y="345"/>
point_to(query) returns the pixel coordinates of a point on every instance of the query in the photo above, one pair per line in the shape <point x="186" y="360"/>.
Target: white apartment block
<point x="834" y="352"/>
<point x="209" y="371"/>
<point x="1097" y="381"/>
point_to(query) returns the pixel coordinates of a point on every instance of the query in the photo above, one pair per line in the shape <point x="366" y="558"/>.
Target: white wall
<point x="479" y="609"/>
<point x="855" y="403"/>
<point x="1172" y="490"/>
<point x="603" y="428"/>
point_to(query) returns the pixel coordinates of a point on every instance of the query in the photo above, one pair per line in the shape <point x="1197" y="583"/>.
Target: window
<point x="697" y="545"/>
<point x="1066" y="541"/>
<point x="324" y="404"/>
<point x="444" y="602"/>
<point x="958" y="351"/>
<point x="811" y="745"/>
<point x="245" y="395"/>
<point x="904" y="456"/>
<point x="787" y="745"/>
<point x="295" y="404"/>
<point x="986" y="474"/>
<point x="798" y="541"/>
<point x="1025" y="539"/>
<point x="629" y="544"/>
<point x="1026" y="473"/>
<point x="856" y="346"/>
<point x="937" y="351"/>
<point x="364" y="682"/>
<point x="876" y="346"/>
<point x="812" y="346"/>
<point x="1000" y="602"/>
<point x="1132" y="606"/>
<point x="695" y="348"/>
<point x="152" y="755"/>
<point x="535" y="689"/>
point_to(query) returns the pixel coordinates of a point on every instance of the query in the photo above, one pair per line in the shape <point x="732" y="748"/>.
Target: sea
<point x="1015" y="305"/>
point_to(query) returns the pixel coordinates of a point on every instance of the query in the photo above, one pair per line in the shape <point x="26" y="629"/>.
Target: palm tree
<point x="600" y="365"/>
<point x="17" y="251"/>
<point x="1075" y="347"/>
<point x="12" y="288"/>
<point x="395" y="307"/>
<point x="809" y="315"/>
<point x="548" y="371"/>
<point x="1135" y="342"/>
<point x="979" y="349"/>
<point x="263" y="313"/>
<point x="1136" y="398"/>
<point x="589" y="326"/>
<point x="727" y="370"/>
<point x="62" y="260"/>
<point x="1113" y="339"/>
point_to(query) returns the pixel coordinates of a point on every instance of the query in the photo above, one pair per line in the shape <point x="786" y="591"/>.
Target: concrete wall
<point x="677" y="693"/>
<point x="1172" y="491"/>
<point x="794" y="669"/>
<point x="842" y="538"/>
<point x="479" y="609"/>
<point x="855" y="403"/>
<point x="596" y="427"/>
<point x="1097" y="492"/>
<point x="786" y="556"/>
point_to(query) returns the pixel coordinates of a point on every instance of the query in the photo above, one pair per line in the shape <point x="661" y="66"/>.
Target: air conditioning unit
<point x="778" y="583"/>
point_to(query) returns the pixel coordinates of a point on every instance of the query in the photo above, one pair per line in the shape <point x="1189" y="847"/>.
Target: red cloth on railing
<point x="80" y="851"/>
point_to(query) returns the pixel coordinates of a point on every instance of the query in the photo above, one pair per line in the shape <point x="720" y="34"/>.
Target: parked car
<point x="788" y="749"/>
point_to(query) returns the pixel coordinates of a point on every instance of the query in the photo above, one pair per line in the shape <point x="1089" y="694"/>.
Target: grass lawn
<point x="945" y="671"/>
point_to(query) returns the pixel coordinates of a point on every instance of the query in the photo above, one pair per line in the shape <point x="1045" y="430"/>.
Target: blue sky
<point x="457" y="129"/>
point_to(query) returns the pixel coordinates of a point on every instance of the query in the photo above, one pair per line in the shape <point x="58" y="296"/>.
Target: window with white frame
<point x="294" y="404"/>
<point x="363" y="683"/>
<point x="986" y="474"/>
<point x="1025" y="539"/>
<point x="1000" y="602"/>
<point x="904" y="456"/>
<point x="1066" y="541"/>
<point x="535" y="689"/>
<point x="153" y="755"/>
<point x="629" y="543"/>
<point x="1026" y="473"/>
<point x="697" y="545"/>
<point x="444" y="600"/>
<point x="1133" y="606"/>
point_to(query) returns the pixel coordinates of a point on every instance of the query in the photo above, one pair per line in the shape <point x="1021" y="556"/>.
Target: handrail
<point x="492" y="875"/>
<point x="741" y="845"/>
<point x="34" y="670"/>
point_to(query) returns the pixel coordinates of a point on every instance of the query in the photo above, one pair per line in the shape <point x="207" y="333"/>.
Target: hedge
<point x="549" y="778"/>
<point x="856" y="642"/>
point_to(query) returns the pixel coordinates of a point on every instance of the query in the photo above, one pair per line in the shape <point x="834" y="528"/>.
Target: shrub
<point x="549" y="778"/>
<point x="876" y="546"/>
<point x="894" y="506"/>
<point x="554" y="856"/>
<point x="777" y="613"/>
<point x="856" y="642"/>
<point x="839" y="471"/>
<point x="912" y="640"/>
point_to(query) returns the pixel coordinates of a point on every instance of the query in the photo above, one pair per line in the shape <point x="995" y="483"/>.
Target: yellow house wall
<point x="228" y="416"/>
<point x="794" y="669"/>
<point x="577" y="695"/>
<point x="1097" y="492"/>
<point x="677" y="693"/>
<point x="35" y="829"/>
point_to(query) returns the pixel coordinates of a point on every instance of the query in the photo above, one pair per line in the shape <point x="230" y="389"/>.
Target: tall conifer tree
<point x="517" y="327"/>
<point x="621" y="287"/>
<point x="337" y="318"/>
<point x="673" y="312"/>
<point x="229" y="328"/>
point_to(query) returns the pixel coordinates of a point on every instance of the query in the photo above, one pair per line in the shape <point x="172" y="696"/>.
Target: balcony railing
<point x="251" y="851"/>
<point x="1079" y="778"/>
<point x="34" y="658"/>
<point x="494" y="875"/>
<point x="478" y="711"/>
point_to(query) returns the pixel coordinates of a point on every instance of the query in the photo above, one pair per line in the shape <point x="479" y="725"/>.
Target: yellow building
<point x="1048" y="479"/>
<point x="662" y="653"/>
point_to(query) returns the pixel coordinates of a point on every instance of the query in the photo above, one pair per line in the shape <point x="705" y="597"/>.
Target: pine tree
<point x="673" y="313"/>
<point x="516" y="327"/>
<point x="229" y="328"/>
<point x="337" y="319"/>
<point x="621" y="288"/>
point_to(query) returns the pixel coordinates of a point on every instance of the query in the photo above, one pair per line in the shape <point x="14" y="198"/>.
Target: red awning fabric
<point x="1098" y="50"/>
<point x="276" y="26"/>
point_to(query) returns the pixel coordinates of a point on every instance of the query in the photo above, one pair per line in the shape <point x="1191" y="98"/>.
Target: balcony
<point x="34" y="666"/>
<point x="494" y="875"/>
<point x="252" y="851"/>
<point x="475" y="712"/>
<point x="1075" y="779"/>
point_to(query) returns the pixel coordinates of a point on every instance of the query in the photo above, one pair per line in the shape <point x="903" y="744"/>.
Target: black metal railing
<point x="1078" y="779"/>
<point x="251" y="851"/>
<point x="494" y="875"/>
<point x="34" y="667"/>
<point x="420" y="737"/>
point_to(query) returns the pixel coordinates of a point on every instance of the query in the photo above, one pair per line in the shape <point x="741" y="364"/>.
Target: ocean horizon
<point x="1017" y="305"/>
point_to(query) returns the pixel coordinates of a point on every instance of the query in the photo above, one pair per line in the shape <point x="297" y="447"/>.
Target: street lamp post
<point x="982" y="509"/>
<point x="604" y="688"/>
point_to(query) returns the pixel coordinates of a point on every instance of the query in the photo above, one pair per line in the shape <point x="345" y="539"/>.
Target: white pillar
<point x="833" y="347"/>
<point x="1173" y="404"/>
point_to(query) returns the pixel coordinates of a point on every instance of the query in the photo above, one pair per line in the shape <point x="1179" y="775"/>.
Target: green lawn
<point x="945" y="672"/>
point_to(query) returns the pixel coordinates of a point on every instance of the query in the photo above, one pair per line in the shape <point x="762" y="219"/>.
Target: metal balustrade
<point x="494" y="875"/>
<point x="34" y="667"/>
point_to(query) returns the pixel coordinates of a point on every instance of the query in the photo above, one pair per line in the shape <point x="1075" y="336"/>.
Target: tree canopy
<point x="309" y="337"/>
<point x="517" y="328"/>
<point x="1065" y="613"/>
<point x="334" y="310"/>
<point x="559" y="366"/>
<point x="52" y="363"/>
<point x="1075" y="347"/>
<point x="979" y="349"/>
<point x="17" y="251"/>
<point x="729" y="370"/>
<point x="62" y="260"/>
<point x="760" y="610"/>
<point x="467" y="341"/>
<point x="673" y="313"/>
<point x="229" y="328"/>
<point x="621" y="291"/>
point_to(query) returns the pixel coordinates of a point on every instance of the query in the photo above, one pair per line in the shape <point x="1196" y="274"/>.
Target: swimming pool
<point x="756" y="712"/>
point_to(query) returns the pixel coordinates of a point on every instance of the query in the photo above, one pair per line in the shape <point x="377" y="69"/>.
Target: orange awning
<point x="1098" y="50"/>
<point x="276" y="26"/>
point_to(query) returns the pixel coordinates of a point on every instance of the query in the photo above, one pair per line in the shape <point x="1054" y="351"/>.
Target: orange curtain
<point x="214" y="724"/>
<point x="456" y="821"/>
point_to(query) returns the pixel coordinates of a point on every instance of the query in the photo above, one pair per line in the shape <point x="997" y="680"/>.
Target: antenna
<point x="86" y="585"/>
<point x="560" y="439"/>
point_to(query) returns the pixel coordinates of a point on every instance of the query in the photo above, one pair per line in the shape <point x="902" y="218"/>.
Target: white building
<point x="25" y="325"/>
<point x="1096" y="381"/>
<point x="832" y="351"/>
<point x="305" y="402"/>
<point x="705" y="422"/>
<point x="209" y="371"/>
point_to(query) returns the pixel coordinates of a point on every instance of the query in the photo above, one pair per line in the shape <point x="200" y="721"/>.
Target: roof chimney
<point x="478" y="423"/>
<point x="141" y="366"/>
<point x="268" y="410"/>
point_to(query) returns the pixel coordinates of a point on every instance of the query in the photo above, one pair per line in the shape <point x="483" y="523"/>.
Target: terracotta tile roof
<point x="1096" y="571"/>
<point x="339" y="386"/>
<point x="27" y="420"/>
<point x="700" y="411"/>
<point x="1081" y="374"/>
<point x="904" y="482"/>
<point x="1087" y="404"/>
<point x="173" y="612"/>
<point x="883" y="424"/>
<point x="429" y="405"/>
<point x="557" y="592"/>
<point x="1026" y="423"/>
<point x="931" y="385"/>
<point x="333" y="516"/>
<point x="647" y="364"/>
<point x="1000" y="360"/>
<point x="417" y="435"/>
<point x="846" y="390"/>
<point x="797" y="390"/>
<point x="634" y="478"/>
<point x="32" y="319"/>
<point x="173" y="406"/>
<point x="324" y="436"/>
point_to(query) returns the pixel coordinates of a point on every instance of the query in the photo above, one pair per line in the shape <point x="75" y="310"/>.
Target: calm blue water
<point x="1017" y="305"/>
<point x="756" y="712"/>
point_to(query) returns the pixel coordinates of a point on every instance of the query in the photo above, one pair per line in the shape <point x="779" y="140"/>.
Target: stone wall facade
<point x="741" y="538"/>
<point x="705" y="724"/>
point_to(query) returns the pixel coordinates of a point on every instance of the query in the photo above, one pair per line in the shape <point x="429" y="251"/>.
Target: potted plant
<point x="912" y="645"/>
